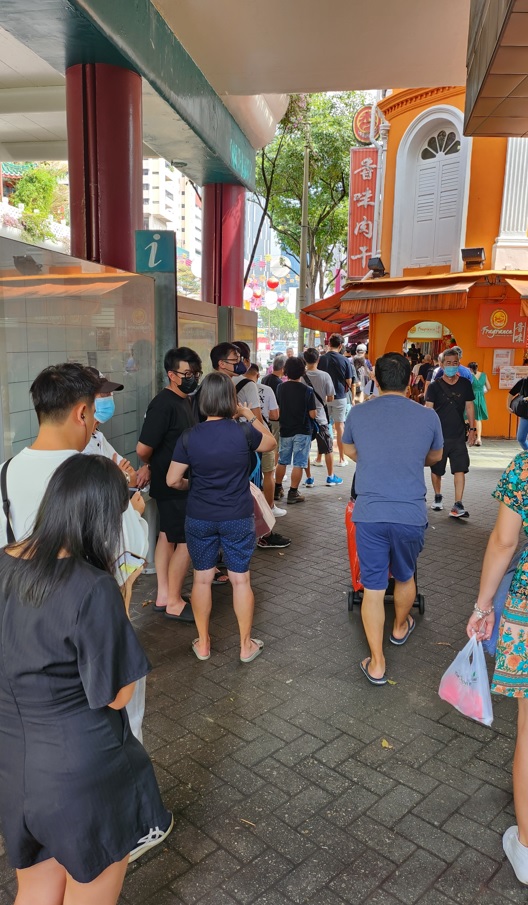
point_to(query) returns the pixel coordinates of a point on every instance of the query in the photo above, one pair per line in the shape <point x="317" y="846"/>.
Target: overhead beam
<point x="32" y="100"/>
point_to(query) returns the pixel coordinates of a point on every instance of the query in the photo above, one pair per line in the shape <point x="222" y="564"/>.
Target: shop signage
<point x="501" y="326"/>
<point x="508" y="377"/>
<point x="502" y="358"/>
<point x="362" y="206"/>
<point x="361" y="124"/>
<point x="426" y="330"/>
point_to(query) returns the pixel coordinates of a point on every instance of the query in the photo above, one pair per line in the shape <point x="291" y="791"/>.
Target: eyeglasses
<point x="231" y="361"/>
<point x="188" y="374"/>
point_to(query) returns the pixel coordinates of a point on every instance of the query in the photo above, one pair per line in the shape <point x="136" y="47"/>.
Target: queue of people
<point x="74" y="542"/>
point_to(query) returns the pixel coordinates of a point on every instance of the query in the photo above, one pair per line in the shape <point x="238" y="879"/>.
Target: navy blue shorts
<point x="384" y="546"/>
<point x="236" y="537"/>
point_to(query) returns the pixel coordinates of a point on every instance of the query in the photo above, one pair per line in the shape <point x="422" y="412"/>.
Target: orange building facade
<point x="444" y="192"/>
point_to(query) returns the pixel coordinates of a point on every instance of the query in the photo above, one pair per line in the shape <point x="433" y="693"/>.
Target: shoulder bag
<point x="5" y="503"/>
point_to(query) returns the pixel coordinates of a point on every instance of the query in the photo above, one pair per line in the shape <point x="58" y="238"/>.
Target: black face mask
<point x="188" y="385"/>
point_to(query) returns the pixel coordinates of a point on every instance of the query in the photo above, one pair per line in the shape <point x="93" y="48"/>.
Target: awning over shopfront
<point x="520" y="286"/>
<point x="384" y="299"/>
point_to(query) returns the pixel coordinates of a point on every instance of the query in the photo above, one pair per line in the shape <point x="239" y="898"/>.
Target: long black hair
<point x="80" y="514"/>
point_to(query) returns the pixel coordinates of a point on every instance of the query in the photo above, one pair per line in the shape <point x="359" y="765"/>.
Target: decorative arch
<point x="444" y="170"/>
<point x="398" y="335"/>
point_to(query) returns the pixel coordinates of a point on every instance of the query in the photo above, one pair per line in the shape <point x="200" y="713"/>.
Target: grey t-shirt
<point x="392" y="435"/>
<point x="248" y="395"/>
<point x="323" y="385"/>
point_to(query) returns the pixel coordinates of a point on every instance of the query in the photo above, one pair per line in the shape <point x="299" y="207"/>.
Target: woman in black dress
<point x="77" y="790"/>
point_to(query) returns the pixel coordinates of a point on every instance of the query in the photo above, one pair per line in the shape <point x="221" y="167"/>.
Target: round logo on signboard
<point x="139" y="317"/>
<point x="361" y="125"/>
<point x="499" y="319"/>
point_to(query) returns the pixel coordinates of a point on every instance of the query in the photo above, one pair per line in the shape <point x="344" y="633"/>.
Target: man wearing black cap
<point x="98" y="445"/>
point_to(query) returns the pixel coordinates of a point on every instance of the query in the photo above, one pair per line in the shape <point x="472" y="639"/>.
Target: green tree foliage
<point x="186" y="281"/>
<point x="279" y="321"/>
<point x="325" y="121"/>
<point x="36" y="191"/>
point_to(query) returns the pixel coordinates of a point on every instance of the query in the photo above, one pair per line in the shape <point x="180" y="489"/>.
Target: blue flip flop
<point x="372" y="679"/>
<point x="399" y="641"/>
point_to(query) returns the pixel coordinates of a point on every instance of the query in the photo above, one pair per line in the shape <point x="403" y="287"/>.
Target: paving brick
<point x="349" y="806"/>
<point x="471" y="870"/>
<point x="440" y="804"/>
<point x="283" y="777"/>
<point x="307" y="879"/>
<point x="477" y="836"/>
<point x="366" y="874"/>
<point x="391" y="808"/>
<point x="415" y="876"/>
<point x="390" y="844"/>
<point x="205" y="876"/>
<point x="236" y="836"/>
<point x="253" y="879"/>
<point x="438" y="842"/>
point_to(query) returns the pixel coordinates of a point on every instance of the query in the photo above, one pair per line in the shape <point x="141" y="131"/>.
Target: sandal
<point x="220" y="577"/>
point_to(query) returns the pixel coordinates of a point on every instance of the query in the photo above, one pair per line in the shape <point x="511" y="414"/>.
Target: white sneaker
<point x="516" y="853"/>
<point x="342" y="464"/>
<point x="277" y="511"/>
<point x="154" y="837"/>
<point x="317" y="464"/>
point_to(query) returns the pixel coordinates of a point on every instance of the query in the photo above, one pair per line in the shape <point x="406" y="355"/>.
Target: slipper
<point x="195" y="652"/>
<point x="186" y="615"/>
<point x="373" y="681"/>
<point x="220" y="578"/>
<point x="410" y="630"/>
<point x="161" y="609"/>
<point x="260" y="645"/>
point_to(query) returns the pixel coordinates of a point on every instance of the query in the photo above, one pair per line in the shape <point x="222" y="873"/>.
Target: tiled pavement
<point x="294" y="781"/>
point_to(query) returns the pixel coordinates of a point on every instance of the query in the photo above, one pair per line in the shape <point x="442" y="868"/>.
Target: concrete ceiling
<point x="246" y="47"/>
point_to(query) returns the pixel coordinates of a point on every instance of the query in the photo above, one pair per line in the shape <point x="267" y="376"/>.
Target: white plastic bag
<point x="465" y="684"/>
<point x="264" y="518"/>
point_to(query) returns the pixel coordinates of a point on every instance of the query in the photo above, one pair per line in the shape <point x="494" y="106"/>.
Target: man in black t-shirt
<point x="451" y="396"/>
<point x="168" y="415"/>
<point x="297" y="405"/>
<point x="344" y="377"/>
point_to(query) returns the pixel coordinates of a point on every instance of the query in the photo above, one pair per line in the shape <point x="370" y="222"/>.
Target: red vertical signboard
<point x="362" y="205"/>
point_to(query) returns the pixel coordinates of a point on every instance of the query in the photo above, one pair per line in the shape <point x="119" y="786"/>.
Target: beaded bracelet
<point x="480" y="612"/>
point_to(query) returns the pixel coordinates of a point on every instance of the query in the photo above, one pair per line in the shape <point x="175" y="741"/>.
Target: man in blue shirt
<point x="391" y="439"/>
<point x="462" y="370"/>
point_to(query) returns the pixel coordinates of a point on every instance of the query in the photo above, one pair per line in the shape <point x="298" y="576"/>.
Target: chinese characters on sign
<point x="363" y="176"/>
<point x="501" y="326"/>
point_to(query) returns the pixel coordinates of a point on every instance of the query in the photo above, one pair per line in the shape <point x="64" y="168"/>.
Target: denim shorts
<point x="384" y="547"/>
<point x="236" y="537"/>
<point x="295" y="450"/>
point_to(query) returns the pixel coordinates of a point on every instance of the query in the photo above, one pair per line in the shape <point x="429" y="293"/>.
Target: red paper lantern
<point x="272" y="282"/>
<point x="281" y="299"/>
<point x="257" y="293"/>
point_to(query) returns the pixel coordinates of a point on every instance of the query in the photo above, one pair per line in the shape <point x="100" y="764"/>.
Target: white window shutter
<point x="425" y="204"/>
<point x="447" y="209"/>
<point x="435" y="220"/>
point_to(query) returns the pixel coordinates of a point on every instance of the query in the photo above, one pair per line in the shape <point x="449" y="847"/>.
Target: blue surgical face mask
<point x="240" y="368"/>
<point x="104" y="408"/>
<point x="451" y="370"/>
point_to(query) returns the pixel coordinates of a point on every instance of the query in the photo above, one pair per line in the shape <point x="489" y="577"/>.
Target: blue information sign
<point x="155" y="251"/>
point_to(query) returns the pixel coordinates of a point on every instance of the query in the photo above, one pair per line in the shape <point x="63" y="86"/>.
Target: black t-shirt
<point x="166" y="418"/>
<point x="520" y="388"/>
<point x="340" y="369"/>
<point x="449" y="404"/>
<point x="295" y="401"/>
<point x="271" y="380"/>
<point x="424" y="369"/>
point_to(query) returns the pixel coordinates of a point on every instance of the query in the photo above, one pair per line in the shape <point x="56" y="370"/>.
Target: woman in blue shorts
<point x="220" y="505"/>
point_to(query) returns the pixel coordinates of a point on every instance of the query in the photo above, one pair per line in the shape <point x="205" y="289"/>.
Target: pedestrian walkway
<point x="295" y="782"/>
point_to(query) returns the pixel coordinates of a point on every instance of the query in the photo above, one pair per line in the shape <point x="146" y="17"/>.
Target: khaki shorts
<point x="267" y="461"/>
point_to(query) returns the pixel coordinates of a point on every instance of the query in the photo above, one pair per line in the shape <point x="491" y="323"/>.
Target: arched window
<point x="436" y="200"/>
<point x="431" y="192"/>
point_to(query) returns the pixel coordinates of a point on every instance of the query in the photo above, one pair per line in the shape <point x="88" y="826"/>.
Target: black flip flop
<point x="161" y="609"/>
<point x="399" y="641"/>
<point x="372" y="679"/>
<point x="186" y="615"/>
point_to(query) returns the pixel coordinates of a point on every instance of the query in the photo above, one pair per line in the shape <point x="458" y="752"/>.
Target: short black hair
<point x="182" y="353"/>
<point x="473" y="366"/>
<point x="311" y="356"/>
<point x="254" y="368"/>
<point x="243" y="348"/>
<point x="295" y="367"/>
<point x="336" y="340"/>
<point x="58" y="388"/>
<point x="220" y="352"/>
<point x="218" y="397"/>
<point x="393" y="372"/>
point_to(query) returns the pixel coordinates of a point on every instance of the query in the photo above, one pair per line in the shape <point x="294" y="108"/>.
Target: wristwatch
<point x="472" y="428"/>
<point x="251" y="420"/>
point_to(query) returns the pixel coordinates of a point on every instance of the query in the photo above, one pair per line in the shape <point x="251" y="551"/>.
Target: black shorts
<point x="324" y="440"/>
<point x="172" y="518"/>
<point x="457" y="453"/>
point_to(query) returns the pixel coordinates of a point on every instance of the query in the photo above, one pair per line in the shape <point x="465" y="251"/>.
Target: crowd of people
<point x="74" y="542"/>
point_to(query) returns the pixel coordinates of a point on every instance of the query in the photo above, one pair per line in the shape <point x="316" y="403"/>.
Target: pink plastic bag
<point x="465" y="684"/>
